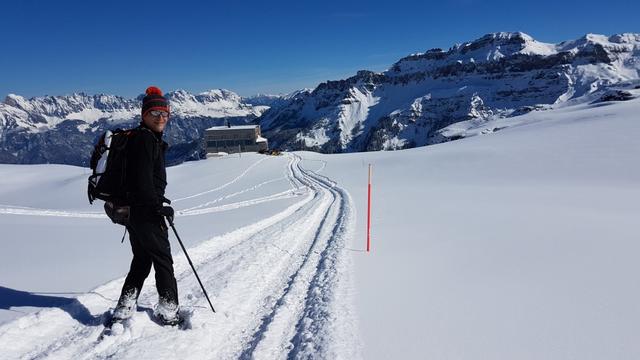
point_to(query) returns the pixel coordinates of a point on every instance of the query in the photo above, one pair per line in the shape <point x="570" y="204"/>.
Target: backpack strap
<point x="159" y="142"/>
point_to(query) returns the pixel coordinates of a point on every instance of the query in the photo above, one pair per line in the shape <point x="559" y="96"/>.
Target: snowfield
<point x="517" y="244"/>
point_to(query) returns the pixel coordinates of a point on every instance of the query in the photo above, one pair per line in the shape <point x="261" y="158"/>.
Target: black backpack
<point x="108" y="180"/>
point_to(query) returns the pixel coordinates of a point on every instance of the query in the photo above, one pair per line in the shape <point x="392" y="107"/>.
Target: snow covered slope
<point x="496" y="76"/>
<point x="519" y="244"/>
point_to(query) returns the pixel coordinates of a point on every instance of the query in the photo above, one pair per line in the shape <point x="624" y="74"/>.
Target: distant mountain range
<point x="63" y="129"/>
<point x="413" y="103"/>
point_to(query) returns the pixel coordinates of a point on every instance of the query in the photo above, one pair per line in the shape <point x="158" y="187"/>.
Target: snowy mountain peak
<point x="488" y="48"/>
<point x="626" y="38"/>
<point x="182" y="99"/>
<point x="219" y="94"/>
<point x="179" y="96"/>
<point x="514" y="41"/>
<point x="178" y="93"/>
<point x="612" y="45"/>
<point x="17" y="101"/>
<point x="212" y="103"/>
<point x="596" y="38"/>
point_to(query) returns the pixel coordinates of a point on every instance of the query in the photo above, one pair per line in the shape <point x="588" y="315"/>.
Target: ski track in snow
<point x="228" y="196"/>
<point x="20" y="210"/>
<point x="280" y="287"/>
<point x="204" y="208"/>
<point x="245" y="172"/>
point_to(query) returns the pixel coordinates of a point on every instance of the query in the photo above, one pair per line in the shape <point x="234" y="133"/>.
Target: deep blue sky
<point x="118" y="47"/>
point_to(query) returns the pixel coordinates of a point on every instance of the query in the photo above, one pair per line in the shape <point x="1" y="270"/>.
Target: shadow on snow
<point x="15" y="298"/>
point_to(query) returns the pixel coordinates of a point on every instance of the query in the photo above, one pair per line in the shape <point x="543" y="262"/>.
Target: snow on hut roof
<point x="237" y="127"/>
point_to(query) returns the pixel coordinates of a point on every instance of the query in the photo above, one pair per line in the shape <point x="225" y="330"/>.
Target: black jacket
<point x="146" y="174"/>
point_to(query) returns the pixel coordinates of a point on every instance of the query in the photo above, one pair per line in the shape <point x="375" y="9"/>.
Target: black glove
<point x="167" y="211"/>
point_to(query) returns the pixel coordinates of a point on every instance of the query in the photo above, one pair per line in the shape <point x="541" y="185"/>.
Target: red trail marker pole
<point x="369" y="211"/>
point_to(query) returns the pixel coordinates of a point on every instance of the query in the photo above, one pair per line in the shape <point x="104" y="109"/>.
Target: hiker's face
<point x="156" y="120"/>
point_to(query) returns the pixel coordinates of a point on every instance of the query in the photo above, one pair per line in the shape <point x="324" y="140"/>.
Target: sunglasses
<point x="158" y="113"/>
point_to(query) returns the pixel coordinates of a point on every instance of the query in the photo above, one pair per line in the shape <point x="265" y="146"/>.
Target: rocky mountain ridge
<point x="498" y="75"/>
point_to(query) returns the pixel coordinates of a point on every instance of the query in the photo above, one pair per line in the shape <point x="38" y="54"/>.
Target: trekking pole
<point x="190" y="263"/>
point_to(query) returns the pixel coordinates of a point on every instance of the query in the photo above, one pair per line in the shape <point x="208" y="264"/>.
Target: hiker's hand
<point x="167" y="211"/>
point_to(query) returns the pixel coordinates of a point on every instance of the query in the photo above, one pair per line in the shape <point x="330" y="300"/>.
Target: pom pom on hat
<point x="152" y="90"/>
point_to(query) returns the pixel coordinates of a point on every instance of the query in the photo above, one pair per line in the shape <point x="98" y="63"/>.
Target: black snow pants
<point x="150" y="245"/>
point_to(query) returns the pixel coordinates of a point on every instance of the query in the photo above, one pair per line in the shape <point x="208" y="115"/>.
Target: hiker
<point x="148" y="233"/>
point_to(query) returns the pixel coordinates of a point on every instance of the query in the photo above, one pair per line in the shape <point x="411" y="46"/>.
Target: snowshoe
<point x="168" y="313"/>
<point x="114" y="326"/>
<point x="175" y="321"/>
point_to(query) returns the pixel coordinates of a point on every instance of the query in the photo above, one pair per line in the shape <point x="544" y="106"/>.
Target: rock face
<point x="497" y="75"/>
<point x="63" y="129"/>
